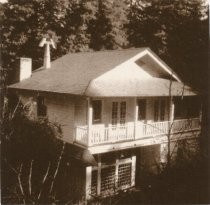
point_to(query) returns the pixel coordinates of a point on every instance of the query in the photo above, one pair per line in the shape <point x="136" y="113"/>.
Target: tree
<point x="107" y="30"/>
<point x="31" y="157"/>
<point x="177" y="31"/>
<point x="23" y="25"/>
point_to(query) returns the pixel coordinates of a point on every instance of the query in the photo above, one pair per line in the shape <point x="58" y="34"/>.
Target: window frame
<point x="41" y="107"/>
<point x="97" y="120"/>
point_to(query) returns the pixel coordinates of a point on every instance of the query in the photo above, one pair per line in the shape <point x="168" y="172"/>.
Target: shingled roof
<point x="74" y="74"/>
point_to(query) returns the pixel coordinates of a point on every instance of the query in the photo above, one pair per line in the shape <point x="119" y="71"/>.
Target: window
<point x="156" y="110"/>
<point x="118" y="112"/>
<point x="122" y="112"/>
<point x="96" y="111"/>
<point x="41" y="107"/>
<point x="159" y="110"/>
<point x="112" y="177"/>
<point x="162" y="110"/>
<point x="114" y="112"/>
<point x="142" y="109"/>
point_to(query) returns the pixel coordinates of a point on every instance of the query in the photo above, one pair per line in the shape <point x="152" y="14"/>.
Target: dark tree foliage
<point x="107" y="29"/>
<point x="177" y="31"/>
<point x="29" y="147"/>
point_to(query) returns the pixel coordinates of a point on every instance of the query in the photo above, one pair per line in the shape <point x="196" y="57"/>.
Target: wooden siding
<point x="59" y="109"/>
<point x="62" y="111"/>
<point x="80" y="112"/>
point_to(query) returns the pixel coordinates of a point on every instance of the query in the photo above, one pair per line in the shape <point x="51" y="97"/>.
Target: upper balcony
<point x="114" y="124"/>
<point x="154" y="133"/>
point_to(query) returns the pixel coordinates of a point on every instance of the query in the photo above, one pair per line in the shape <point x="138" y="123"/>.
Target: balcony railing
<point x="128" y="132"/>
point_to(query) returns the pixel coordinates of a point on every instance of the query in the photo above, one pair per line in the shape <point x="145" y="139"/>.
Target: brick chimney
<point x="24" y="69"/>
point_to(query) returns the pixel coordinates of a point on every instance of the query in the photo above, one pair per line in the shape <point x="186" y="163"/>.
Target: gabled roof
<point x="77" y="74"/>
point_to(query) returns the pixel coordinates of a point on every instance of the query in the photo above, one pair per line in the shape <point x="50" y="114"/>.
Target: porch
<point x="132" y="131"/>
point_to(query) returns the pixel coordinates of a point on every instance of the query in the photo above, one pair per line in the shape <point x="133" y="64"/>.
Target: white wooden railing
<point x="128" y="132"/>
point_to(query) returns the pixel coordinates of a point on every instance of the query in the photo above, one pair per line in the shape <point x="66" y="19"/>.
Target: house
<point x="119" y="105"/>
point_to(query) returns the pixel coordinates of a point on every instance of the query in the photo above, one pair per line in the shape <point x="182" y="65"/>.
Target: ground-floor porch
<point x="119" y="171"/>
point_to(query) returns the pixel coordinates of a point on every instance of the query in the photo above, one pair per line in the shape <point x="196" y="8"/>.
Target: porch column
<point x="116" y="172"/>
<point x="133" y="170"/>
<point x="89" y="119"/>
<point x="136" y="111"/>
<point x="88" y="176"/>
<point x="171" y="114"/>
<point x="99" y="176"/>
<point x="171" y="111"/>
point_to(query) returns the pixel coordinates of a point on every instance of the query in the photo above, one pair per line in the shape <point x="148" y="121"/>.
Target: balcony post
<point x="88" y="176"/>
<point x="99" y="176"/>
<point x="171" y="111"/>
<point x="136" y="110"/>
<point x="133" y="170"/>
<point x="171" y="115"/>
<point x="89" y="119"/>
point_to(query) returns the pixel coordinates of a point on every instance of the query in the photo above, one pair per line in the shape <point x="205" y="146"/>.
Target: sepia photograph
<point x="104" y="102"/>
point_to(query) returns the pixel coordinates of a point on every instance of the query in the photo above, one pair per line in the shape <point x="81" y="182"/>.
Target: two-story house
<point x="115" y="104"/>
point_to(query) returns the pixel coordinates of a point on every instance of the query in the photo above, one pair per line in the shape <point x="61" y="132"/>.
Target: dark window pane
<point x="156" y="110"/>
<point x="114" y="112"/>
<point x="162" y="110"/>
<point x="96" y="111"/>
<point x="41" y="107"/>
<point x="142" y="109"/>
<point x="122" y="112"/>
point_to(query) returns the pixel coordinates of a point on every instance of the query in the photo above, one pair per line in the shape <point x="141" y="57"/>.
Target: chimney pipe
<point x="47" y="42"/>
<point x="47" y="64"/>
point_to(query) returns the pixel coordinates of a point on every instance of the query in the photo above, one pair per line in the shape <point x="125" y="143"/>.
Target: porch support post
<point x="133" y="170"/>
<point x="171" y="111"/>
<point x="136" y="111"/>
<point x="99" y="176"/>
<point x="89" y="119"/>
<point x="116" y="172"/>
<point x="88" y="182"/>
<point x="171" y="114"/>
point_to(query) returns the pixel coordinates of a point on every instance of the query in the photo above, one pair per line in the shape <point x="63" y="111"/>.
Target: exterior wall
<point x="60" y="109"/>
<point x="148" y="159"/>
<point x="80" y="112"/>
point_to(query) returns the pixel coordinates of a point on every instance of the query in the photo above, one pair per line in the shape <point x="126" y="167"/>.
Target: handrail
<point x="125" y="132"/>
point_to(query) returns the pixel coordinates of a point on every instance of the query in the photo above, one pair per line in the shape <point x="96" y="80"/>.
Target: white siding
<point x="62" y="111"/>
<point x="80" y="112"/>
<point x="59" y="109"/>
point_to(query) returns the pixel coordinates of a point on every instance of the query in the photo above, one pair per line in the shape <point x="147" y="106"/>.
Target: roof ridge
<point x="101" y="51"/>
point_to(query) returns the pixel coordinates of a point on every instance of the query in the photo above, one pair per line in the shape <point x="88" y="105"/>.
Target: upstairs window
<point x="156" y="110"/>
<point x="118" y="113"/>
<point x="142" y="110"/>
<point x="41" y="107"/>
<point x="122" y="112"/>
<point x="114" y="112"/>
<point x="97" y="105"/>
<point x="162" y="110"/>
